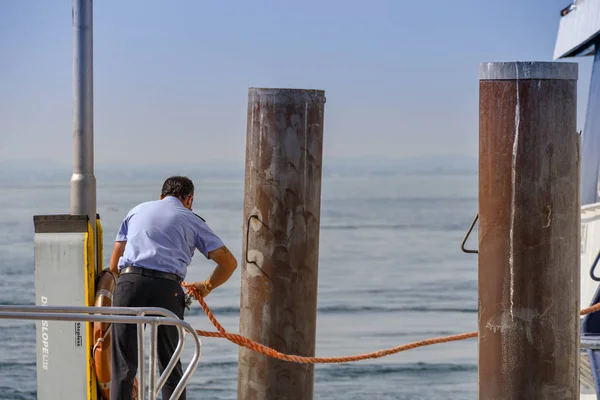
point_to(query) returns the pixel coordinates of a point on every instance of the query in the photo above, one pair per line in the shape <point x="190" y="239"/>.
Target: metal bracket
<point x="462" y="246"/>
<point x="248" y="261"/>
<point x="593" y="268"/>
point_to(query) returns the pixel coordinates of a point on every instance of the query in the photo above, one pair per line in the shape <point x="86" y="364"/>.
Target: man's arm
<point x="117" y="253"/>
<point x="120" y="242"/>
<point x="226" y="265"/>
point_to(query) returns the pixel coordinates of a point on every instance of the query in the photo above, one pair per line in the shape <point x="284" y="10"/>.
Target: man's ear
<point x="161" y="197"/>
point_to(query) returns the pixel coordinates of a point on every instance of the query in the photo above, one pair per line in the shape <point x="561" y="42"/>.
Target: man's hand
<point x="204" y="288"/>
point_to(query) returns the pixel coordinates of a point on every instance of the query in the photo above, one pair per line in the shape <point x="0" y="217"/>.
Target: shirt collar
<point x="172" y="199"/>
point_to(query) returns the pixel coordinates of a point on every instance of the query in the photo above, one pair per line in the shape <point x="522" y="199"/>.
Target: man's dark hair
<point x="178" y="186"/>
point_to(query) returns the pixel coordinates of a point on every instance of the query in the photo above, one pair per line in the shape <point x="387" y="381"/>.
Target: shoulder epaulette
<point x="203" y="220"/>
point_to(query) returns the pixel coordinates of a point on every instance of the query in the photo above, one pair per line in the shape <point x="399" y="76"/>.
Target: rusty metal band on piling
<point x="529" y="231"/>
<point x="282" y="203"/>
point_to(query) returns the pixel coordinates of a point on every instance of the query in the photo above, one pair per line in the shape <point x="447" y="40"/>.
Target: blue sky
<point x="171" y="78"/>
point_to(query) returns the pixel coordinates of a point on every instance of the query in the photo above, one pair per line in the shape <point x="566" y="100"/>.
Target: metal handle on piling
<point x="593" y="268"/>
<point x="462" y="246"/>
<point x="248" y="261"/>
<point x="248" y="237"/>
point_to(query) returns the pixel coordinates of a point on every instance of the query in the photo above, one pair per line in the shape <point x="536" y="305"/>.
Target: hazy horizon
<point x="54" y="172"/>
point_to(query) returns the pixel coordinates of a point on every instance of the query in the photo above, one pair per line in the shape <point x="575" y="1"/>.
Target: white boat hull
<point x="590" y="246"/>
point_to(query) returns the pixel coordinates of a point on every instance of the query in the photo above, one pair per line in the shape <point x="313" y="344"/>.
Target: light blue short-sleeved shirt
<point x="163" y="235"/>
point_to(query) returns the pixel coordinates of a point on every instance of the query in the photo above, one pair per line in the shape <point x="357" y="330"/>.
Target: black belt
<point x="152" y="273"/>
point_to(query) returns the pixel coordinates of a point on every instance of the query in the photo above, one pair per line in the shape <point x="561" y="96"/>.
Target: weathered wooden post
<point x="282" y="204"/>
<point x="529" y="231"/>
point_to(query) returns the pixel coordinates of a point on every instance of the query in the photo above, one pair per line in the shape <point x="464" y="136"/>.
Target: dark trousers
<point x="142" y="291"/>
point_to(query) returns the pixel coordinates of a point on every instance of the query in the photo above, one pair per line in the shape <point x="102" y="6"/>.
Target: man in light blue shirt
<point x="154" y="246"/>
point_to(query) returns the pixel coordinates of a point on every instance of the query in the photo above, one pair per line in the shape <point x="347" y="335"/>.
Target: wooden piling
<point x="282" y="203"/>
<point x="529" y="232"/>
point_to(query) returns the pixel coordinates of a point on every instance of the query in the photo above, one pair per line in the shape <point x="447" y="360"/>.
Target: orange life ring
<point x="105" y="287"/>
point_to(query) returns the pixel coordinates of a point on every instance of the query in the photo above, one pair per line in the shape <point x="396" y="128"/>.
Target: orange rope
<point x="252" y="345"/>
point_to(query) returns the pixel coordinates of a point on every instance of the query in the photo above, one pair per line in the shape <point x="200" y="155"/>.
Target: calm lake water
<point x="391" y="272"/>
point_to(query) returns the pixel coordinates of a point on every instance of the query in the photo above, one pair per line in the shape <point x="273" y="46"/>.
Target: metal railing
<point x="127" y="315"/>
<point x="589" y="342"/>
